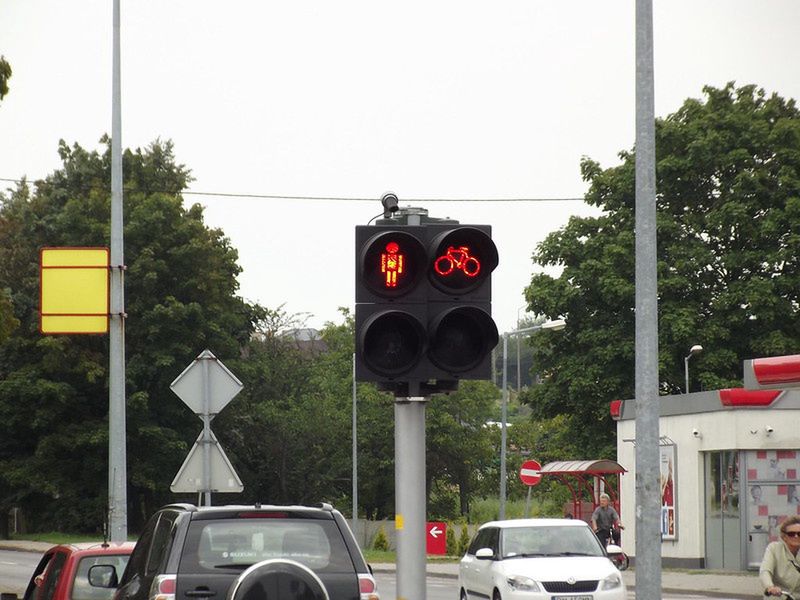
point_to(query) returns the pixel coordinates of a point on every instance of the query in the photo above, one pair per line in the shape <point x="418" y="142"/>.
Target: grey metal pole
<point x="410" y="514"/>
<point x="503" y="433"/>
<point x="206" y="432"/>
<point x="117" y="459"/>
<point x="686" y="373"/>
<point x="648" y="533"/>
<point x="519" y="374"/>
<point x="355" y="452"/>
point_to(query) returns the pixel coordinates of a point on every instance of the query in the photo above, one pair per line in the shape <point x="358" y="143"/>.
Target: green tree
<point x="728" y="184"/>
<point x="5" y="75"/>
<point x="460" y="449"/>
<point x="463" y="541"/>
<point x="180" y="299"/>
<point x="297" y="404"/>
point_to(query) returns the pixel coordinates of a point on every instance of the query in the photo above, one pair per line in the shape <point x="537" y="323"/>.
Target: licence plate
<point x="584" y="597"/>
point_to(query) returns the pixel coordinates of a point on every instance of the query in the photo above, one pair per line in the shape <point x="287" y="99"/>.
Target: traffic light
<point x="423" y="304"/>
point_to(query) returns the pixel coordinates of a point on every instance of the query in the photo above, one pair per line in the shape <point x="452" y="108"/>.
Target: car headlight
<point x="611" y="582"/>
<point x="522" y="584"/>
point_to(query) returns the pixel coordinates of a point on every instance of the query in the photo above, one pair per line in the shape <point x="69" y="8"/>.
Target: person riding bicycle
<point x="779" y="567"/>
<point x="605" y="521"/>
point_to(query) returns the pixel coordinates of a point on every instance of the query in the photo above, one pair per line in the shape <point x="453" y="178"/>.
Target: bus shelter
<point x="586" y="480"/>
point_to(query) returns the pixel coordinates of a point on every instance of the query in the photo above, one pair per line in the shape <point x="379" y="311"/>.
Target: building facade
<point x="730" y="474"/>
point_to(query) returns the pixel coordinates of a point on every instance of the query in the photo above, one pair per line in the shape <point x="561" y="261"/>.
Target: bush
<point x="452" y="547"/>
<point x="381" y="542"/>
<point x="463" y="541"/>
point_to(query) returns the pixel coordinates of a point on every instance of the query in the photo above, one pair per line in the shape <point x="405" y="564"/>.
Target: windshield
<point x="555" y="540"/>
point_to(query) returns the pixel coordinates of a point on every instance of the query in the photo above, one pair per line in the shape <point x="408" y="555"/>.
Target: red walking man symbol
<point x="392" y="264"/>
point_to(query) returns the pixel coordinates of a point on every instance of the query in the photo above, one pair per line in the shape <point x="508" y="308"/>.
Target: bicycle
<point x="613" y="549"/>
<point x="457" y="258"/>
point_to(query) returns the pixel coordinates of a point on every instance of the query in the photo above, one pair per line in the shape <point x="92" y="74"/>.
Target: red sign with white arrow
<point x="436" y="538"/>
<point x="530" y="472"/>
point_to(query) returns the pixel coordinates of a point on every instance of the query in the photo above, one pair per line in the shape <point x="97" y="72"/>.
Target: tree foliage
<point x="5" y="75"/>
<point x="460" y="452"/>
<point x="180" y="299"/>
<point x="728" y="204"/>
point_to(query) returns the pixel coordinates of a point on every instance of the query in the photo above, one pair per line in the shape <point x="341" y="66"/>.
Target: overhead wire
<point x="349" y="198"/>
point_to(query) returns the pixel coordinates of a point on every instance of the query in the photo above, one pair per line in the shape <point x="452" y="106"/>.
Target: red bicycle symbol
<point x="457" y="258"/>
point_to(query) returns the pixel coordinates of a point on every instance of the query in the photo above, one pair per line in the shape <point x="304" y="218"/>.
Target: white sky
<point x="433" y="99"/>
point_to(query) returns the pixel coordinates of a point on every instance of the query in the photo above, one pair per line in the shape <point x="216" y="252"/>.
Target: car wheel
<point x="496" y="595"/>
<point x="280" y="579"/>
<point x="464" y="594"/>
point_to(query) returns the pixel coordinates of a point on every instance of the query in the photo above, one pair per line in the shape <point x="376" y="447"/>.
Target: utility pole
<point x="648" y="489"/>
<point x="117" y="458"/>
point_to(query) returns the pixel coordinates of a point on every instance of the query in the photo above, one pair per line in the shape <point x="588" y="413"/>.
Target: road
<point x="16" y="568"/>
<point x="440" y="588"/>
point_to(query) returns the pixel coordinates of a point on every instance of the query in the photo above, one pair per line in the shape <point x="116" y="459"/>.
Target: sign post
<point x="206" y="386"/>
<point x="530" y="474"/>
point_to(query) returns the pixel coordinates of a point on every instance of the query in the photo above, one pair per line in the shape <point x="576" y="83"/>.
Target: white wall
<point x="733" y="429"/>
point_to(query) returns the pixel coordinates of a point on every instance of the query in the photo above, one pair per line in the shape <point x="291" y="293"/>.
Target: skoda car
<point x="538" y="559"/>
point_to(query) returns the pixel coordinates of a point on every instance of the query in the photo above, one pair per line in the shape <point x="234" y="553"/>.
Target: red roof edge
<point x="615" y="406"/>
<point x="743" y="397"/>
<point x="777" y="369"/>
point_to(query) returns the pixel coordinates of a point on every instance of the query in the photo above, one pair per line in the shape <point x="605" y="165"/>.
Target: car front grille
<point x="562" y="587"/>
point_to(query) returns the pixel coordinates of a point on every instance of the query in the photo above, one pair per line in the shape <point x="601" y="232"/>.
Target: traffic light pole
<point x="409" y="483"/>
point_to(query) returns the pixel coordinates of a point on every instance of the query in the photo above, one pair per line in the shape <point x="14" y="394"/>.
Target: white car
<point x="538" y="559"/>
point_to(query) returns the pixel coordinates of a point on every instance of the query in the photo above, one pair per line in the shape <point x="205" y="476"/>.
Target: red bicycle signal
<point x="457" y="259"/>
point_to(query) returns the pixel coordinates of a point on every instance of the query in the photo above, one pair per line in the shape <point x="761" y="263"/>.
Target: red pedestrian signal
<point x="390" y="263"/>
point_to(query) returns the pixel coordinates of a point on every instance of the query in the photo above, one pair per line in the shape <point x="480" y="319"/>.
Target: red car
<point x="63" y="572"/>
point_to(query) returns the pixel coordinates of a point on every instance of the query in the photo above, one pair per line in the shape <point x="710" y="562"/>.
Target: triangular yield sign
<point x="222" y="476"/>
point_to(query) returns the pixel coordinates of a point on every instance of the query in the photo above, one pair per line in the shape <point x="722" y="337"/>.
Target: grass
<point x="388" y="556"/>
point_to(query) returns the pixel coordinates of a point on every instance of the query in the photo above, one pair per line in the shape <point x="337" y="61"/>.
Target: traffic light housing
<point x="423" y="304"/>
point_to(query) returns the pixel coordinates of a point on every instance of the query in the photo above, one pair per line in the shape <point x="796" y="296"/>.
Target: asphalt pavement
<point x="723" y="584"/>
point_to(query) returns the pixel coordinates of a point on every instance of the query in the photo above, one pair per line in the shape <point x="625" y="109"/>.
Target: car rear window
<point x="82" y="590"/>
<point x="238" y="543"/>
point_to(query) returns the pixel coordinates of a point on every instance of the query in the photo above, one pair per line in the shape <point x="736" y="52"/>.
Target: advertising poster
<point x="668" y="516"/>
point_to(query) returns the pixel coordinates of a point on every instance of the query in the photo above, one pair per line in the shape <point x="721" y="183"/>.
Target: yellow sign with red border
<point x="74" y="290"/>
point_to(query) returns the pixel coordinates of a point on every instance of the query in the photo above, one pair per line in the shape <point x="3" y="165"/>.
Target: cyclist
<point x="779" y="568"/>
<point x="605" y="521"/>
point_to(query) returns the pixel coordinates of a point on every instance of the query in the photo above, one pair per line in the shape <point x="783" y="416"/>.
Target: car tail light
<point x="367" y="587"/>
<point x="163" y="588"/>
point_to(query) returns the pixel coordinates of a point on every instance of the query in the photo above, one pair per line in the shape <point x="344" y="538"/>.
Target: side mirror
<point x="613" y="549"/>
<point x="485" y="554"/>
<point x="103" y="576"/>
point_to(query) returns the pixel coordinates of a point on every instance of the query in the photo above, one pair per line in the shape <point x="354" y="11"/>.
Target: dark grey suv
<point x="243" y="552"/>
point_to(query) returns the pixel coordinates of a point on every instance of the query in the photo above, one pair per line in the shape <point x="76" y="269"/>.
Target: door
<point x="722" y="518"/>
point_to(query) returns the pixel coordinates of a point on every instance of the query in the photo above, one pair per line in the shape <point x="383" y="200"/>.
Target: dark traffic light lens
<point x="462" y="338"/>
<point x="393" y="343"/>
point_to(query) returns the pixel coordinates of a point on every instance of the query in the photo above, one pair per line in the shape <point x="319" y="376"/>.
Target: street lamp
<point x="555" y="325"/>
<point x="519" y="370"/>
<point x="696" y="349"/>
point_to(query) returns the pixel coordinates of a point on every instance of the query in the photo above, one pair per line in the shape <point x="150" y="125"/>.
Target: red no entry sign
<point x="529" y="472"/>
